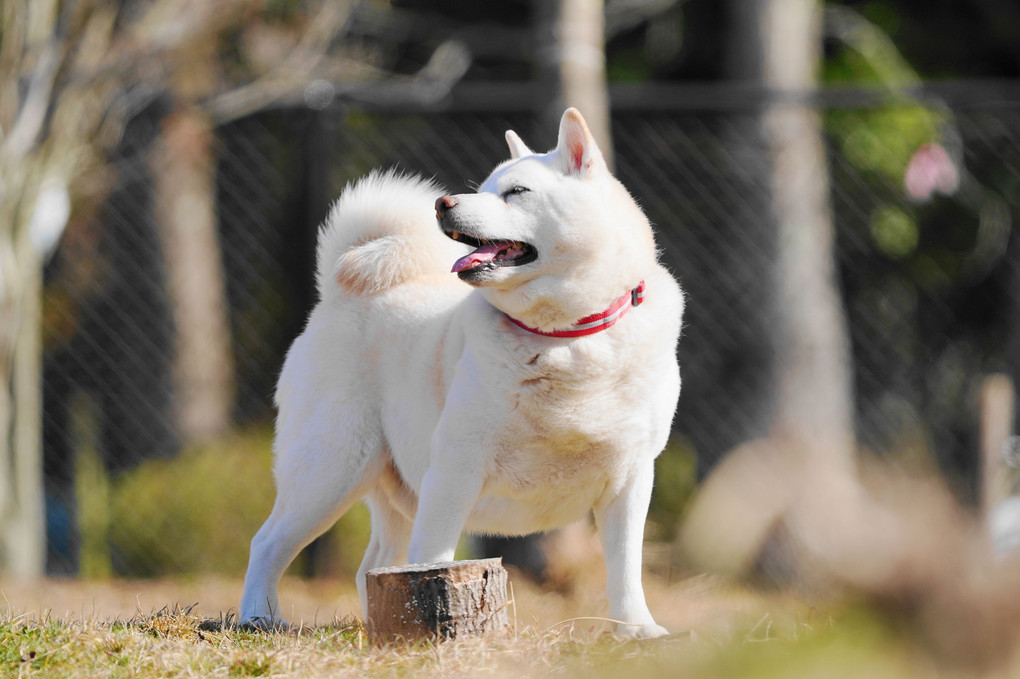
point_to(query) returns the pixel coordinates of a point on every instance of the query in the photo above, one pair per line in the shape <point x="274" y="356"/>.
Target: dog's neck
<point x="595" y="323"/>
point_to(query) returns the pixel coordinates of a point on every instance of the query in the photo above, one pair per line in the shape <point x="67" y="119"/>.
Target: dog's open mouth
<point x="490" y="254"/>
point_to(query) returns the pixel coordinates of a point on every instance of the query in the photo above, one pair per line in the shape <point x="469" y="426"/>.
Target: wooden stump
<point x="437" y="600"/>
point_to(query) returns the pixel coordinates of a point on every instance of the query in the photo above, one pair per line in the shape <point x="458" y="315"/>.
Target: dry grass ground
<point x="172" y="629"/>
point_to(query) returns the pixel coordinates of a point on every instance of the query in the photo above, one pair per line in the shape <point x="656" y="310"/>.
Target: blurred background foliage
<point x="198" y="510"/>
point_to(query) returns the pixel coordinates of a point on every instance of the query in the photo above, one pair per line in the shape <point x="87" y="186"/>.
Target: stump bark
<point x="438" y="601"/>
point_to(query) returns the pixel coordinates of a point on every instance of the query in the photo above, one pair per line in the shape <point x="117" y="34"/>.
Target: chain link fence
<point x="931" y="289"/>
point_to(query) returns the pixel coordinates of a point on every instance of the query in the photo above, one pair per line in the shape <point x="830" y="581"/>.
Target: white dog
<point x="512" y="397"/>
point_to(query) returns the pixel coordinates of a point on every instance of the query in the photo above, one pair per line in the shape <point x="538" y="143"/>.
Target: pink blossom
<point x="930" y="170"/>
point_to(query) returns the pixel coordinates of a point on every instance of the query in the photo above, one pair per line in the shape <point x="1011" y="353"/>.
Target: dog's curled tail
<point x="381" y="232"/>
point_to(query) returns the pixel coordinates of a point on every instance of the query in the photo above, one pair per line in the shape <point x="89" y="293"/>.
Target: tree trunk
<point x="22" y="525"/>
<point x="778" y="505"/>
<point x="571" y="61"/>
<point x="814" y="409"/>
<point x="183" y="168"/>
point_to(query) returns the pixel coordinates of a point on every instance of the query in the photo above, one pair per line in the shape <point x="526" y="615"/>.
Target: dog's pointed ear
<point x="518" y="149"/>
<point x="578" y="152"/>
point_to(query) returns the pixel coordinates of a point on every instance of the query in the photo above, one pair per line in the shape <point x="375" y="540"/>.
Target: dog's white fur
<point x="415" y="392"/>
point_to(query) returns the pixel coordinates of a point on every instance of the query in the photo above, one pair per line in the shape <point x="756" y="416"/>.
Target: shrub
<point x="196" y="513"/>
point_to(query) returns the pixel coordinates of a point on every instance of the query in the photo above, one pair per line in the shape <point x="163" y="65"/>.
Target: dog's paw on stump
<point x="437" y="600"/>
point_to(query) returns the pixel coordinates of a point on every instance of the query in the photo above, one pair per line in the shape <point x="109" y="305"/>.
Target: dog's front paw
<point x="264" y="624"/>
<point x="646" y="631"/>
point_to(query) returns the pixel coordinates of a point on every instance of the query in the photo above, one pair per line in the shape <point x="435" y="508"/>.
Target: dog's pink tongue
<point x="486" y="253"/>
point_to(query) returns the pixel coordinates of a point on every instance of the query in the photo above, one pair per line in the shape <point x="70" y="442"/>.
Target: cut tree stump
<point x="437" y="600"/>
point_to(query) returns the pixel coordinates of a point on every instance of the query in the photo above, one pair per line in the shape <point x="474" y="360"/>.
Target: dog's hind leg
<point x="313" y="491"/>
<point x="391" y="532"/>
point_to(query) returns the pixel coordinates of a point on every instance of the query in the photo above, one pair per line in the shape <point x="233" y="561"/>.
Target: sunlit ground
<point x="59" y="628"/>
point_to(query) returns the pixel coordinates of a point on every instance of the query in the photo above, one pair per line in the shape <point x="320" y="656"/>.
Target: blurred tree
<point x="184" y="201"/>
<point x="813" y="410"/>
<point x="815" y="407"/>
<point x="201" y="76"/>
<point x="183" y="169"/>
<point x="54" y="78"/>
<point x="809" y="449"/>
<point x="570" y="64"/>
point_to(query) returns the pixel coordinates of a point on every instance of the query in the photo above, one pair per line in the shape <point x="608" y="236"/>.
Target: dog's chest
<point x="577" y="388"/>
<point x="571" y="433"/>
<point x="573" y="418"/>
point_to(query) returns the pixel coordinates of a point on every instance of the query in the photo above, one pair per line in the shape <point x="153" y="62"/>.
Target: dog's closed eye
<point x="515" y="190"/>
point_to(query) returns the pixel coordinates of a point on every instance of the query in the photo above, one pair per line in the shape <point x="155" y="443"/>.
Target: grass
<point x="179" y="643"/>
<point x="172" y="642"/>
<point x="723" y="631"/>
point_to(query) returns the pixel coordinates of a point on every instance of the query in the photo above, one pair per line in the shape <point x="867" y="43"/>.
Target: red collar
<point x="589" y="325"/>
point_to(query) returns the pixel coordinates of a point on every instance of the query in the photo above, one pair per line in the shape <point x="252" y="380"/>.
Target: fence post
<point x="995" y="409"/>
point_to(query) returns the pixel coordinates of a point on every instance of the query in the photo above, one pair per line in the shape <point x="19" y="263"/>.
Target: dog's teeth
<point x="455" y="235"/>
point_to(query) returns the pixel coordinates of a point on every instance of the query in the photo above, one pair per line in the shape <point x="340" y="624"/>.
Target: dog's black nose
<point x="443" y="204"/>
